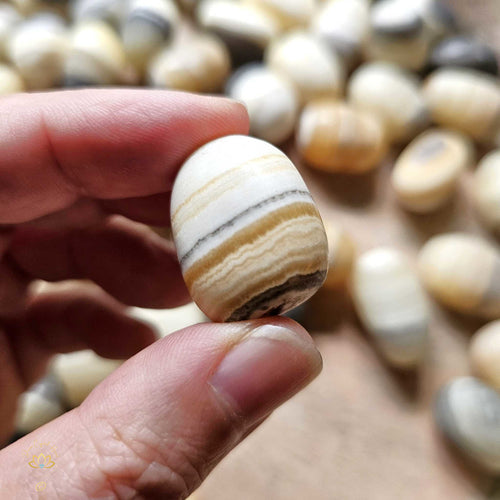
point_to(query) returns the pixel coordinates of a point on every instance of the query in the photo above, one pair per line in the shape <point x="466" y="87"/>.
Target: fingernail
<point x="265" y="369"/>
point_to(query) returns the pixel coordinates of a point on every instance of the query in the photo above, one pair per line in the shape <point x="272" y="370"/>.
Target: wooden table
<point x="361" y="431"/>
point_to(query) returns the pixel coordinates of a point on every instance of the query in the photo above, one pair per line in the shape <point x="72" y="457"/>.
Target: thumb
<point x="158" y="425"/>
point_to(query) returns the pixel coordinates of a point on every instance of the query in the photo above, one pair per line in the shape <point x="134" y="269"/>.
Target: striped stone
<point x="149" y="25"/>
<point x="248" y="234"/>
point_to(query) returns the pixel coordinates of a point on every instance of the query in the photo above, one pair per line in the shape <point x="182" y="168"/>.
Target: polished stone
<point x="462" y="271"/>
<point x="465" y="52"/>
<point x="468" y="413"/>
<point x="248" y="235"/>
<point x="391" y="305"/>
<point x="427" y="172"/>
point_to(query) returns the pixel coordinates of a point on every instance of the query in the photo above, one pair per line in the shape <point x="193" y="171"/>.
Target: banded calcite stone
<point x="38" y="48"/>
<point x="193" y="62"/>
<point x="341" y="256"/>
<point x="270" y="99"/>
<point x="403" y="32"/>
<point x="465" y="100"/>
<point x="245" y="28"/>
<point x="96" y="56"/>
<point x="336" y="137"/>
<point x="462" y="271"/>
<point x="343" y="26"/>
<point x="315" y="71"/>
<point x="486" y="190"/>
<point x="426" y="174"/>
<point x="468" y="413"/>
<point x="148" y="25"/>
<point x="397" y="34"/>
<point x="464" y="52"/>
<point x="248" y="234"/>
<point x="392" y="306"/>
<point x="111" y="12"/>
<point x="392" y="94"/>
<point x="484" y="354"/>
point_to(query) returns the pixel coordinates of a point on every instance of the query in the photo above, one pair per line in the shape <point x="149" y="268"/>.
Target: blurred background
<point x="364" y="429"/>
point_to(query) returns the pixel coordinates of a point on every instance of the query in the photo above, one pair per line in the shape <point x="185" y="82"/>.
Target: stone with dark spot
<point x="464" y="52"/>
<point x="393" y="18"/>
<point x="467" y="412"/>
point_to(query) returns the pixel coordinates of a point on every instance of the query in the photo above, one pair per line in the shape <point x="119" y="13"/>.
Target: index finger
<point x="106" y="144"/>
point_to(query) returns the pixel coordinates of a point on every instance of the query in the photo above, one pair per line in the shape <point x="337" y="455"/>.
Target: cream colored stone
<point x="96" y="56"/>
<point x="148" y="25"/>
<point x="248" y="235"/>
<point x="335" y="137"/>
<point x="463" y="272"/>
<point x="466" y="100"/>
<point x="484" y="354"/>
<point x="307" y="62"/>
<point x="393" y="95"/>
<point x="486" y="189"/>
<point x="341" y="256"/>
<point x="392" y="306"/>
<point x="270" y="99"/>
<point x="343" y="26"/>
<point x="426" y="173"/>
<point x="468" y="412"/>
<point x="38" y="48"/>
<point x="80" y="372"/>
<point x="193" y="62"/>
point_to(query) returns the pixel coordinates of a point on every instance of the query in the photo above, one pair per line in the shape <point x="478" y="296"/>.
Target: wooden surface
<point x="362" y="431"/>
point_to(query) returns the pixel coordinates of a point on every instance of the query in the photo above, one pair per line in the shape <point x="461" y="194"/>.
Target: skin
<point x="81" y="172"/>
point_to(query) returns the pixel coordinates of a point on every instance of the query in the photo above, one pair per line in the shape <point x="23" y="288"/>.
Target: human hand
<point x="79" y="172"/>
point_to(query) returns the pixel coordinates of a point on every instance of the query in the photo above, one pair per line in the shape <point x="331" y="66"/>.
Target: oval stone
<point x="426" y="173"/>
<point x="335" y="137"/>
<point x="391" y="305"/>
<point x="466" y="100"/>
<point x="248" y="234"/>
<point x="343" y="26"/>
<point x="484" y="354"/>
<point x="394" y="18"/>
<point x="464" y="52"/>
<point x="245" y="28"/>
<point x="193" y="62"/>
<point x="393" y="95"/>
<point x="468" y="413"/>
<point x="38" y="48"/>
<point x="486" y="189"/>
<point x="270" y="99"/>
<point x="148" y="25"/>
<point x="307" y="62"/>
<point x="463" y="272"/>
<point x="96" y="56"/>
<point x="397" y="34"/>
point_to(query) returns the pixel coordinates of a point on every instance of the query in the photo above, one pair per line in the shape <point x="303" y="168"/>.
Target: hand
<point x="80" y="172"/>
